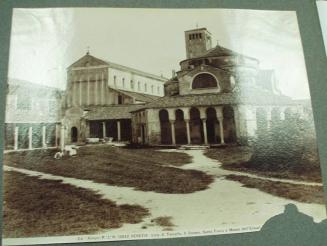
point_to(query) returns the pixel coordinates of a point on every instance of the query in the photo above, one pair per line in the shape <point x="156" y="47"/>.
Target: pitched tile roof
<point x="250" y="96"/>
<point x="219" y="51"/>
<point x="89" y="60"/>
<point x="113" y="112"/>
<point x="138" y="96"/>
<point x="15" y="85"/>
<point x="136" y="71"/>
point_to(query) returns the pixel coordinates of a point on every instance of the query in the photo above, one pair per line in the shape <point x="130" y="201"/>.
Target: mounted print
<point x="130" y="124"/>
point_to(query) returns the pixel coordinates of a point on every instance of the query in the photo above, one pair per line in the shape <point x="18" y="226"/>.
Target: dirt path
<point x="213" y="167"/>
<point x="225" y="204"/>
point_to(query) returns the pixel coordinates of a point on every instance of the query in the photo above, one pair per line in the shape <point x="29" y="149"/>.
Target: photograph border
<point x="316" y="65"/>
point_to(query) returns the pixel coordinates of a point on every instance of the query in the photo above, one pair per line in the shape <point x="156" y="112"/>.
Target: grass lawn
<point x="142" y="169"/>
<point x="301" y="193"/>
<point x="37" y="207"/>
<point x="237" y="158"/>
<point x="165" y="222"/>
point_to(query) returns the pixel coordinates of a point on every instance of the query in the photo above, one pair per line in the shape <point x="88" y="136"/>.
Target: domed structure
<point x="206" y="64"/>
<point x="213" y="99"/>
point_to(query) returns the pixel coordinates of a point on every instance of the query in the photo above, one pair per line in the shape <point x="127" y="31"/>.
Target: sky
<point x="44" y="42"/>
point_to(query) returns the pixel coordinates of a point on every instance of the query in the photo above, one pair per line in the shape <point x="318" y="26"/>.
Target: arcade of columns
<point x="187" y="119"/>
<point x="30" y="137"/>
<point x="104" y="131"/>
<point x="250" y="114"/>
<point x="203" y="117"/>
<point x="270" y="114"/>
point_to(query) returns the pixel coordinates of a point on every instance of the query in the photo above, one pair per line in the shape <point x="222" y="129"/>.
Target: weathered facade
<point x="100" y="96"/>
<point x="33" y="114"/>
<point x="217" y="97"/>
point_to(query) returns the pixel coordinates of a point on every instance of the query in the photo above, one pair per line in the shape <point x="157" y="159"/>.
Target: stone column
<point x="16" y="138"/>
<point x="187" y="121"/>
<point x="204" y="124"/>
<point x="118" y="130"/>
<point x="186" y="112"/>
<point x="172" y="118"/>
<point x="104" y="129"/>
<point x="62" y="138"/>
<point x="220" y="117"/>
<point x="80" y="91"/>
<point x="30" y="137"/>
<point x="203" y="117"/>
<point x="221" y="128"/>
<point x="172" y="126"/>
<point x="56" y="136"/>
<point x="96" y="89"/>
<point x="102" y="91"/>
<point x="44" y="143"/>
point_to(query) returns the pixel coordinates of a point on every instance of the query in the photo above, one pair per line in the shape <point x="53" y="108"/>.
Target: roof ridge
<point x="87" y="55"/>
<point x="148" y="95"/>
<point x="136" y="70"/>
<point x="133" y="92"/>
<point x="21" y="82"/>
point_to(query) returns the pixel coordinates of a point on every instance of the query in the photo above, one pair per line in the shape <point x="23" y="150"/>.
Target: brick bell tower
<point x="197" y="42"/>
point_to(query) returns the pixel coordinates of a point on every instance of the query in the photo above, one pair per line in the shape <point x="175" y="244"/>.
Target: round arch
<point x="212" y="125"/>
<point x="204" y="80"/>
<point x="196" y="128"/>
<point x="165" y="128"/>
<point x="180" y="127"/>
<point x="229" y="124"/>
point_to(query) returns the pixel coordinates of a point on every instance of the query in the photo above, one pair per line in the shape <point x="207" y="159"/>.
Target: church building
<point x="218" y="97"/>
<point x="99" y="97"/>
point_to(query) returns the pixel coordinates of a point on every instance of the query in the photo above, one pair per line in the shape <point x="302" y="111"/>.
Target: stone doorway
<point x="74" y="134"/>
<point x="196" y="127"/>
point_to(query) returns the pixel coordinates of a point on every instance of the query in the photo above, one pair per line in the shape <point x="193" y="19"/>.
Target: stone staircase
<point x="193" y="147"/>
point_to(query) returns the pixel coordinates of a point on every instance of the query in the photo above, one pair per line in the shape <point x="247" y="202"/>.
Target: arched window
<point x="115" y="81"/>
<point x="204" y="80"/>
<point x="132" y="84"/>
<point x="120" y="99"/>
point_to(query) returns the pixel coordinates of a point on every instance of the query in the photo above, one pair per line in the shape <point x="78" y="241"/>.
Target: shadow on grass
<point x="238" y="158"/>
<point x="35" y="207"/>
<point x="142" y="169"/>
<point x="297" y="192"/>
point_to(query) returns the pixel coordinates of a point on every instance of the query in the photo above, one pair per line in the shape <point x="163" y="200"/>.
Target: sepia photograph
<point x="135" y="123"/>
